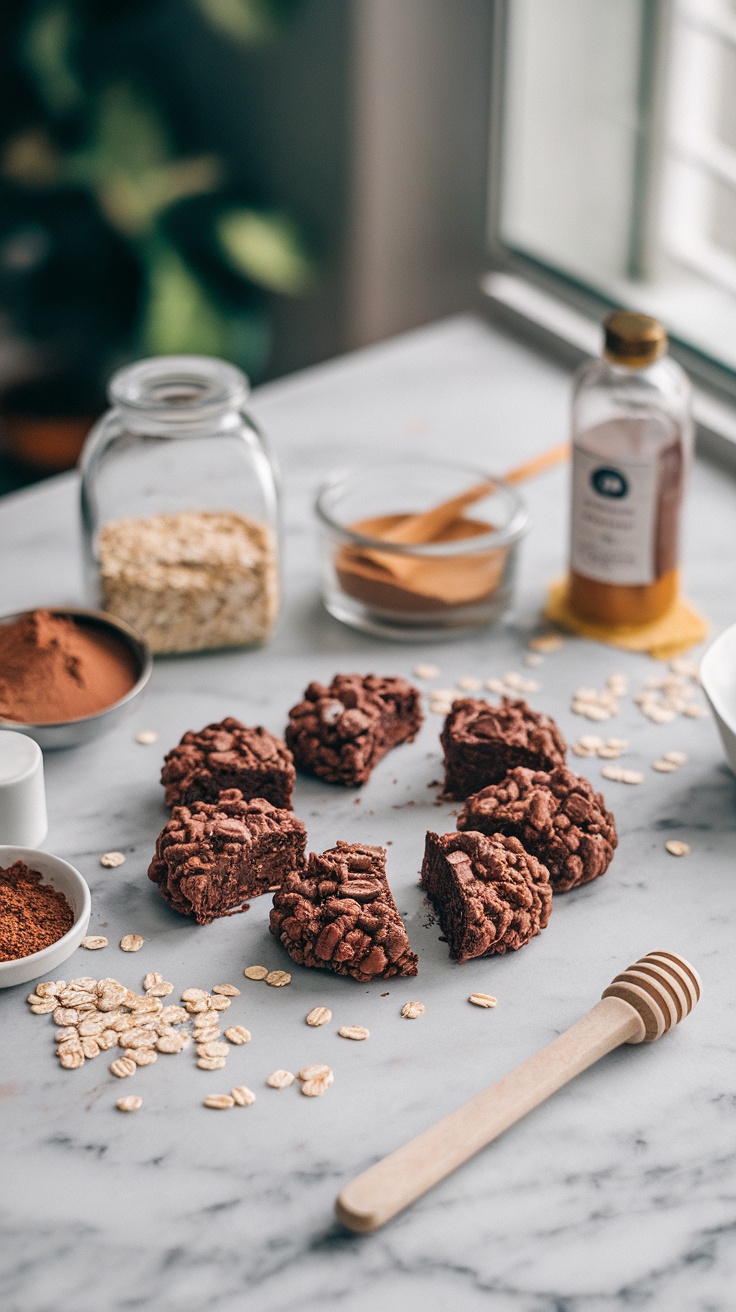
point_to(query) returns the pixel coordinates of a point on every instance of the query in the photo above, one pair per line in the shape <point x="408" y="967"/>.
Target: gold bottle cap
<point x="633" y="339"/>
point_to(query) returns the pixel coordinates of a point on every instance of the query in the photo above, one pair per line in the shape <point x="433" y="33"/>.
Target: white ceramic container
<point x="23" y="819"/>
<point x="69" y="882"/>
<point x="718" y="676"/>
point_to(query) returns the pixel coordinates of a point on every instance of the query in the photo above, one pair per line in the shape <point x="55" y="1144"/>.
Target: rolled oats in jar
<point x="180" y="507"/>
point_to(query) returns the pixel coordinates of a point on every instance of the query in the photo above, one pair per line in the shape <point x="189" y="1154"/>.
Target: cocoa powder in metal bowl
<point x="53" y="669"/>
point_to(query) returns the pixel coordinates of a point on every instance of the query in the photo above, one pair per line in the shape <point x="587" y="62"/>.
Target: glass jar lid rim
<point x="179" y="386"/>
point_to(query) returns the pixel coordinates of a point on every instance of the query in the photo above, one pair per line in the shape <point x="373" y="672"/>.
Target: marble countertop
<point x="618" y="1193"/>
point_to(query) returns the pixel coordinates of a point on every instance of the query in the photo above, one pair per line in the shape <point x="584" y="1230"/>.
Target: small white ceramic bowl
<point x="69" y="882"/>
<point x="718" y="676"/>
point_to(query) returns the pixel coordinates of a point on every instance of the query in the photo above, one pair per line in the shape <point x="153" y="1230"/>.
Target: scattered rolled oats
<point x="676" y="847"/>
<point x="49" y="988"/>
<point x="172" y="1015"/>
<point x="90" y="1047"/>
<point x="426" y="671"/>
<point x="482" y="1000"/>
<point x="664" y="767"/>
<point x="152" y="978"/>
<point x="220" y="1102"/>
<point x="319" y="1016"/>
<point x="92" y="1025"/>
<point x="212" y="1049"/>
<point x="278" y="978"/>
<point x="122" y="1066"/>
<point x="515" y="682"/>
<point x="412" y="1009"/>
<point x="211" y="1063"/>
<point x="44" y="1007"/>
<point x="198" y="1006"/>
<point x="146" y="737"/>
<point x="111" y="860"/>
<point x="141" y="1056"/>
<point x="532" y="660"/>
<point x="135" y="1037"/>
<point x="161" y="990"/>
<point x="193" y="995"/>
<point x="106" y="1040"/>
<point x="694" y="711"/>
<point x="238" y="1035"/>
<point x="280" y="1079"/>
<point x="356" y="1032"/>
<point x="63" y="1036"/>
<point x="72" y="997"/>
<point x="242" y="1095"/>
<point x="172" y="1042"/>
<point x="66" y="1016"/>
<point x="495" y="685"/>
<point x="131" y="1103"/>
<point x="315" y="1088"/>
<point x="148" y="1006"/>
<point x="618" y="684"/>
<point x="221" y="1003"/>
<point x="621" y="776"/>
<point x="316" y="1071"/>
<point x="227" y="990"/>
<point x="132" y="942"/>
<point x="93" y="942"/>
<point x="255" y="972"/>
<point x="674" y="757"/>
<point x="72" y="1059"/>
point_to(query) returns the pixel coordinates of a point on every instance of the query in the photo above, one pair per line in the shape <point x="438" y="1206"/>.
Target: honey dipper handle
<point x="386" y="1188"/>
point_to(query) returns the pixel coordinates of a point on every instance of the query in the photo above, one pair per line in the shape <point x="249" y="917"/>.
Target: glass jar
<point x="180" y="507"/>
<point x="460" y="581"/>
<point x="632" y="444"/>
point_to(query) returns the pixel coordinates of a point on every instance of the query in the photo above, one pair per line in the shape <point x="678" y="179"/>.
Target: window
<point x="617" y="170"/>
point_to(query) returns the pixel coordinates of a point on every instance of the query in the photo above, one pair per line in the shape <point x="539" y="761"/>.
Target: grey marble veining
<point x="618" y="1193"/>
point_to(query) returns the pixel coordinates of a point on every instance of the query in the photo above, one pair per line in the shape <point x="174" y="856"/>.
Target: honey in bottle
<point x="632" y="443"/>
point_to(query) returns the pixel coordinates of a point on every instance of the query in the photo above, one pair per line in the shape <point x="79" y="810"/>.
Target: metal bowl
<point x="72" y="733"/>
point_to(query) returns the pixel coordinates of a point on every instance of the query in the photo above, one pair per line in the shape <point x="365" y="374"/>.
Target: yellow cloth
<point x="680" y="628"/>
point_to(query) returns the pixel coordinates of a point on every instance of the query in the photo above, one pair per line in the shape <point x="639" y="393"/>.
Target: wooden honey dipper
<point x="639" y="1005"/>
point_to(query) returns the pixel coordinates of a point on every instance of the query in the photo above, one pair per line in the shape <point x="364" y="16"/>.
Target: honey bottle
<point x="632" y="438"/>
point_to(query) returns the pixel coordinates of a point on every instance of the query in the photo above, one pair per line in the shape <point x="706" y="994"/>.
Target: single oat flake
<point x="227" y="990"/>
<point x="211" y="1063"/>
<point x="242" y="1095"/>
<point x="356" y="1032"/>
<point x="316" y="1087"/>
<point x="131" y="1103"/>
<point x="146" y="737"/>
<point x="280" y="1079"/>
<point x="317" y="1071"/>
<point x="426" y="672"/>
<point x="620" y="776"/>
<point x="122" y="1066"/>
<point x="219" y="1102"/>
<point x="132" y="942"/>
<point x="676" y="847"/>
<point x="237" y="1034"/>
<point x="319" y="1016"/>
<point x="278" y="978"/>
<point x="412" y="1009"/>
<point x="482" y="1000"/>
<point x="93" y="942"/>
<point x="111" y="860"/>
<point x="255" y="972"/>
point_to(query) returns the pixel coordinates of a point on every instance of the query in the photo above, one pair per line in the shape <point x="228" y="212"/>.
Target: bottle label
<point x="614" y="518"/>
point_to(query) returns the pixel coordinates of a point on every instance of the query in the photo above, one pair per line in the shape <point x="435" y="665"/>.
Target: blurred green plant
<point x="113" y="242"/>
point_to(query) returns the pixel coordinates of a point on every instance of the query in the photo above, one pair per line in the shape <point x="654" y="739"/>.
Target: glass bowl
<point x="417" y="592"/>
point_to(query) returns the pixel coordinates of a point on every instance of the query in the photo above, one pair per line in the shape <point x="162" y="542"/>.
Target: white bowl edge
<point x="718" y="676"/>
<point x="68" y="881"/>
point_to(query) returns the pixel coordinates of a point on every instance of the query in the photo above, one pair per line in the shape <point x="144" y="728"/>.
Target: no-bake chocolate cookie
<point x="339" y="915"/>
<point x="340" y="733"/>
<point x="211" y="857"/>
<point x="228" y="755"/>
<point x="482" y="742"/>
<point x="557" y="816"/>
<point x="489" y="893"/>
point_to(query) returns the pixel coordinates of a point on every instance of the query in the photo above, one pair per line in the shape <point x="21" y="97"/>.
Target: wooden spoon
<point x="639" y="1006"/>
<point x="430" y="525"/>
